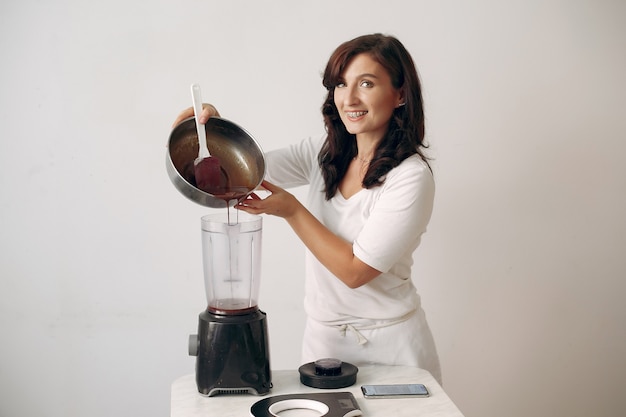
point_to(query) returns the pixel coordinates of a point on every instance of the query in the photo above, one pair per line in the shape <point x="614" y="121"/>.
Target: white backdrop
<point x="522" y="269"/>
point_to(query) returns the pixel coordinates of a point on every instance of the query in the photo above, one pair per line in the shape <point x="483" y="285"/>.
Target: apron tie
<point x="343" y="328"/>
<point x="359" y="336"/>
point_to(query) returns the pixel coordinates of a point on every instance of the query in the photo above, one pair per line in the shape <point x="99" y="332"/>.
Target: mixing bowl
<point x="241" y="159"/>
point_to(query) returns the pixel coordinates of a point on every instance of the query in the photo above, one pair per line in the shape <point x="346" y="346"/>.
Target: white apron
<point x="405" y="341"/>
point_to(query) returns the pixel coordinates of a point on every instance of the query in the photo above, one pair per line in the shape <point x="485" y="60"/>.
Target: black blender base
<point x="233" y="354"/>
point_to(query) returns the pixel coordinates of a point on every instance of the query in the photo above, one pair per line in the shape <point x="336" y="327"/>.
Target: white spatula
<point x="206" y="167"/>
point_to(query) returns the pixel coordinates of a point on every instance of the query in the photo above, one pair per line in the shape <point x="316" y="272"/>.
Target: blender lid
<point x="328" y="373"/>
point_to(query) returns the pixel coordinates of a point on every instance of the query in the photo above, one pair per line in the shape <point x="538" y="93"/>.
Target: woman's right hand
<point x="208" y="110"/>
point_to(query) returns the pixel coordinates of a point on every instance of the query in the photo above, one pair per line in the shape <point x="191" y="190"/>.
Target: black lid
<point x="328" y="373"/>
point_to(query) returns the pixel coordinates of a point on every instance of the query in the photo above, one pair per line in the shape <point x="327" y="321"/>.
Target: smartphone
<point x="394" y="391"/>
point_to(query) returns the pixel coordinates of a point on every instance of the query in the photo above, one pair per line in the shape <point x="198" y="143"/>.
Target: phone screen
<point x="394" y="390"/>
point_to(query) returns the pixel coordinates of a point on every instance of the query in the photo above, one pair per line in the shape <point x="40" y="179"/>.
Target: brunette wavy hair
<point x="405" y="135"/>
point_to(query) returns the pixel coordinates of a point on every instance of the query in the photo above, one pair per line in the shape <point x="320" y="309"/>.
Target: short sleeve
<point x="398" y="217"/>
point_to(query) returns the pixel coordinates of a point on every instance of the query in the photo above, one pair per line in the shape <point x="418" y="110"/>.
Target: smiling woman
<point x="370" y="199"/>
<point x="366" y="99"/>
<point x="383" y="64"/>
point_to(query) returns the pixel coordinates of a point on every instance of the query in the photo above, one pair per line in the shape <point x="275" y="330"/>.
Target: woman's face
<point x="365" y="98"/>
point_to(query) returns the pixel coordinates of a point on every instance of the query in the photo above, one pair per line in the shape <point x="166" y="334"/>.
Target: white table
<point x="187" y="402"/>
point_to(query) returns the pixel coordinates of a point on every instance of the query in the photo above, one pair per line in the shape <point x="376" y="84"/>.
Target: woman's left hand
<point x="279" y="203"/>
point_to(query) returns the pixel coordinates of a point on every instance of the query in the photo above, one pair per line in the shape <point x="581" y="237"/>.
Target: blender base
<point x="232" y="353"/>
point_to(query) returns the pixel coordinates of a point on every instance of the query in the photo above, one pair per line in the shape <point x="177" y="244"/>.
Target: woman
<point x="370" y="198"/>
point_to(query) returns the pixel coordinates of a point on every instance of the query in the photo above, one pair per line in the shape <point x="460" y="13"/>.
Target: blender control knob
<point x="194" y="343"/>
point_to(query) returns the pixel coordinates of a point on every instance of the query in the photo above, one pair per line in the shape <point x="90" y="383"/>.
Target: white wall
<point x="521" y="272"/>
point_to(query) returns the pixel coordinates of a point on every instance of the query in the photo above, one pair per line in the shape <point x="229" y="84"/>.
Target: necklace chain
<point x="365" y="161"/>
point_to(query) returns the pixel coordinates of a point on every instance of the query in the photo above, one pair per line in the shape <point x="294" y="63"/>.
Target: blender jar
<point x="231" y="255"/>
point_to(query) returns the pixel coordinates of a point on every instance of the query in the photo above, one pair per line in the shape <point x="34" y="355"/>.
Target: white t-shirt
<point x="384" y="224"/>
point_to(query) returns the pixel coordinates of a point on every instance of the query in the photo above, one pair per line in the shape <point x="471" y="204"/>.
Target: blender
<point x="231" y="346"/>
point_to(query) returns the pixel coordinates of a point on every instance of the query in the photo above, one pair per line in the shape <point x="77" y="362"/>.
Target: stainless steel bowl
<point x="241" y="159"/>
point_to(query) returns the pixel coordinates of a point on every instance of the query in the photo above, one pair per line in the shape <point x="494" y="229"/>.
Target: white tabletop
<point x="187" y="402"/>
